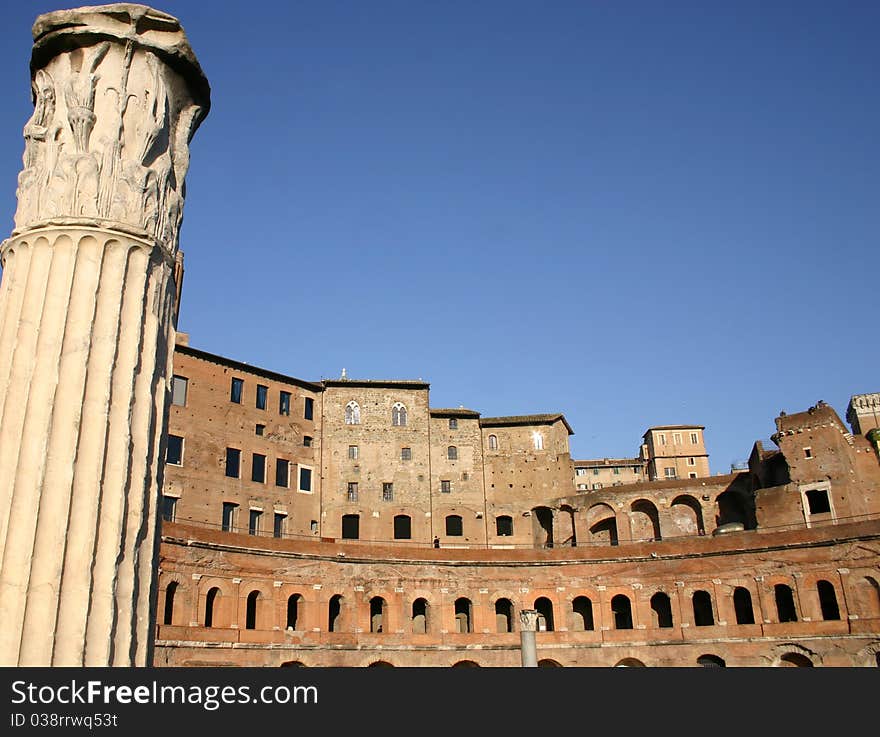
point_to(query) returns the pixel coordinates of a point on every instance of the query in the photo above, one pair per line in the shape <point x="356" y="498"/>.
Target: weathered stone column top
<point x="118" y="94"/>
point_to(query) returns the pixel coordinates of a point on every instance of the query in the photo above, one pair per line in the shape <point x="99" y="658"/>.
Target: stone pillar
<point x="87" y="313"/>
<point x="528" y="621"/>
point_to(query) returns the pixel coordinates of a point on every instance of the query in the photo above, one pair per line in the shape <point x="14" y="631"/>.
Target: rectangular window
<point x="352" y="452"/>
<point x="233" y="461"/>
<point x="236" y="391"/>
<point x="352" y="491"/>
<point x="174" y="454"/>
<point x="307" y="441"/>
<point x="616" y="471"/>
<point x="406" y="454"/>
<point x="676" y="438"/>
<point x="595" y="472"/>
<point x="262" y="396"/>
<point x="445" y="487"/>
<point x="309" y="411"/>
<point x="808" y="453"/>
<point x="282" y="473"/>
<point x="305" y="478"/>
<point x="284" y="403"/>
<point x="278" y="527"/>
<point x="692" y="462"/>
<point x="692" y="475"/>
<point x="387" y="492"/>
<point x="350" y="526"/>
<point x="582" y="487"/>
<point x="695" y="438"/>
<point x="169" y="508"/>
<point x="179" y="386"/>
<point x="254" y="522"/>
<point x="597" y="486"/>
<point x="229" y="516"/>
<point x="580" y="472"/>
<point x="260" y="429"/>
<point x="669" y="472"/>
<point x="258" y="468"/>
<point x="662" y="438"/>
<point x="453" y="423"/>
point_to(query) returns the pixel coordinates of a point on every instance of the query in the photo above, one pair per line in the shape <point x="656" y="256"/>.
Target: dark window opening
<point x="453" y="423"/>
<point x="236" y="391"/>
<point x="233" y="461"/>
<point x="254" y="522"/>
<point x="622" y="610"/>
<point x="452" y="453"/>
<point x="702" y="603"/>
<point x="334" y="613"/>
<point x="828" y="600"/>
<point x="503" y="615"/>
<point x="228" y="516"/>
<point x="309" y="409"/>
<point x="260" y="429"/>
<point x="278" y="526"/>
<point x="387" y="491"/>
<point x="544" y="607"/>
<point x="463" y="615"/>
<point x="351" y="524"/>
<point x="352" y="491"/>
<point x="293" y="611"/>
<point x="662" y="608"/>
<point x="210" y="601"/>
<point x="785" y="603"/>
<point x="582" y="608"/>
<point x="282" y="472"/>
<point x="445" y="487"/>
<point x="402" y="527"/>
<point x="420" y="616"/>
<point x="258" y="468"/>
<point x="284" y="403"/>
<point x="454" y="526"/>
<point x="406" y="454"/>
<point x="504" y="526"/>
<point x="711" y="661"/>
<point x="307" y="441"/>
<point x="251" y="614"/>
<point x="817" y="500"/>
<point x="377" y="614"/>
<point x="170" y="590"/>
<point x="305" y="479"/>
<point x="742" y="606"/>
<point x="174" y="453"/>
<point x="262" y="396"/>
<point x="169" y="508"/>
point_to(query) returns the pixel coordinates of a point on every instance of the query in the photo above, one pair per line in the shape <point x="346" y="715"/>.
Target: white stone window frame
<point x="805" y="503"/>
<point x="676" y="438"/>
<point x="695" y="438"/>
<point x="352" y="413"/>
<point x="399" y="415"/>
<point x="299" y="489"/>
<point x="538" y="440"/>
<point x="691" y="461"/>
<point x="182" y="451"/>
<point x="808" y="453"/>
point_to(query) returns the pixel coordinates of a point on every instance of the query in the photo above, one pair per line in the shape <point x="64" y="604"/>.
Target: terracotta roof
<point x="525" y="420"/>
<point x="674" y="427"/>
<point x="245" y="367"/>
<point x="390" y="383"/>
<point x="452" y="412"/>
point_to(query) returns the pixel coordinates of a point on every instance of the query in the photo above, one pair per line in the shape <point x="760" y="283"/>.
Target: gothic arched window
<point x="398" y="414"/>
<point x="352" y="413"/>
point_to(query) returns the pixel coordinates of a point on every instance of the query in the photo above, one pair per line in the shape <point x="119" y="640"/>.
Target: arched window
<point x="352" y="413"/>
<point x="420" y="616"/>
<point x="538" y="440"/>
<point x="170" y="590"/>
<point x="463" y="615"/>
<point x="453" y="526"/>
<point x="711" y="661"/>
<point x="544" y="607"/>
<point x="785" y="603"/>
<point x="377" y="614"/>
<point x="662" y="608"/>
<point x="622" y="610"/>
<point x="582" y="608"/>
<point x="742" y="605"/>
<point x="493" y="442"/>
<point x="503" y="615"/>
<point x="702" y="602"/>
<point x="334" y="613"/>
<point x="452" y="453"/>
<point x="293" y="611"/>
<point x="504" y="525"/>
<point x="251" y="615"/>
<point x="398" y="415"/>
<point x="828" y="600"/>
<point x="210" y="600"/>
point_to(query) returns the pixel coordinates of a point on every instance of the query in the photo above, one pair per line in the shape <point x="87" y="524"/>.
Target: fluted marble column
<point x="87" y="310"/>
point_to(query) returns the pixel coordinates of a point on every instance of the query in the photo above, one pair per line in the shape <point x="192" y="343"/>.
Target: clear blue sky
<point x="634" y="213"/>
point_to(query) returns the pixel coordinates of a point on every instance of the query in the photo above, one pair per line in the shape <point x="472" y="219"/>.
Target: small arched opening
<point x="503" y="615"/>
<point x="463" y="615"/>
<point x="544" y="607"/>
<point x="621" y="608"/>
<point x="661" y="608"/>
<point x="582" y="609"/>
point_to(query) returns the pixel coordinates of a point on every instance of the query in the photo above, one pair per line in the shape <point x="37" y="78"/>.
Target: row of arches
<point x="601" y="524"/>
<point x="580" y="617"/>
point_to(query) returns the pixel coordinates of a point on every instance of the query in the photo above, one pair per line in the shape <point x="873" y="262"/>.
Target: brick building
<point x="403" y="534"/>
